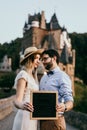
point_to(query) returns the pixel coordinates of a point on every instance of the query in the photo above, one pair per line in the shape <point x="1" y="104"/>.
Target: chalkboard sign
<point x="44" y="103"/>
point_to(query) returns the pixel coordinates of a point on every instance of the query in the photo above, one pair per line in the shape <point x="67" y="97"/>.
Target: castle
<point x="5" y="65"/>
<point x="37" y="32"/>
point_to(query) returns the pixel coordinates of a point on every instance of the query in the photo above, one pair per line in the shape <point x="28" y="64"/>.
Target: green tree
<point x="7" y="81"/>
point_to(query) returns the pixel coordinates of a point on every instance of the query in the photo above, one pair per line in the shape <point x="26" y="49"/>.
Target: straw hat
<point x="29" y="51"/>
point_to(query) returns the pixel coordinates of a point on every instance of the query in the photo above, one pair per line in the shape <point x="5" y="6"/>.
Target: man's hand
<point x="60" y="107"/>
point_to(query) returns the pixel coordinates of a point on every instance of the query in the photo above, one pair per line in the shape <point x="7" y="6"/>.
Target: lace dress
<point x="22" y="119"/>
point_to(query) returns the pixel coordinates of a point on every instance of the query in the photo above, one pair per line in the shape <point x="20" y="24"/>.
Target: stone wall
<point x="77" y="119"/>
<point x="6" y="107"/>
<point x="73" y="118"/>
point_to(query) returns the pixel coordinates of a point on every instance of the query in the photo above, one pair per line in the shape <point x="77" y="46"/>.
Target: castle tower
<point x="43" y="22"/>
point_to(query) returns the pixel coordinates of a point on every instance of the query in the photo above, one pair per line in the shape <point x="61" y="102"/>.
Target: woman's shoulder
<point x="22" y="74"/>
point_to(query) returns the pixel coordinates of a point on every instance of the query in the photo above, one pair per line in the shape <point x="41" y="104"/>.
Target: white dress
<point x="22" y="119"/>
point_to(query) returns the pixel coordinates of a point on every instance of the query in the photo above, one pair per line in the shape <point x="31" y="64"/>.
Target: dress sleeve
<point x="21" y="74"/>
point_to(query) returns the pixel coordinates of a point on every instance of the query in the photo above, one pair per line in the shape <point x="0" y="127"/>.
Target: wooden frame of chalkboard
<point x="44" y="103"/>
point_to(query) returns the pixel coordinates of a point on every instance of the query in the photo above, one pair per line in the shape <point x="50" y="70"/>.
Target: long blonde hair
<point x="29" y="64"/>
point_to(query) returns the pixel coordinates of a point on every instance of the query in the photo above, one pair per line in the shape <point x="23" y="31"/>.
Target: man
<point x="56" y="80"/>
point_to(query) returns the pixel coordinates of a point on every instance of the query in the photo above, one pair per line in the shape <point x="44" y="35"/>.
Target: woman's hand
<point x="29" y="107"/>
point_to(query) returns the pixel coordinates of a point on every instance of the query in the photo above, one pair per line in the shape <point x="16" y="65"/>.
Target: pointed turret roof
<point x="64" y="29"/>
<point x="25" y="25"/>
<point x="54" y="24"/>
<point x="64" y="55"/>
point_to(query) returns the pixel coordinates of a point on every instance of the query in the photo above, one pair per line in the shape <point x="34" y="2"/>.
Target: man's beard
<point x="49" y="65"/>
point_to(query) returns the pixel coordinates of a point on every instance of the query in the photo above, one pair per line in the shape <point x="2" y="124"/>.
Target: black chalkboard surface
<point x="44" y="103"/>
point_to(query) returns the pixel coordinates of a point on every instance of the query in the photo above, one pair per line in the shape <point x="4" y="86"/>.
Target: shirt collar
<point x="56" y="69"/>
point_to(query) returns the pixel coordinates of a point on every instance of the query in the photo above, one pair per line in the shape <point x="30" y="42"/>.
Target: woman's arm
<point x="19" y="93"/>
<point x="21" y="85"/>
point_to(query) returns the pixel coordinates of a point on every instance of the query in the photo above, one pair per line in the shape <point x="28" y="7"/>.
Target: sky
<point x="14" y="13"/>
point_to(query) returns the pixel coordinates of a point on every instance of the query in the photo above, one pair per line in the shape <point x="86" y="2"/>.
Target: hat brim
<point x="39" y="51"/>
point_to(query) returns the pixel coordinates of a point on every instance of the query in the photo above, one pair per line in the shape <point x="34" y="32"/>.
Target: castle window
<point x="7" y="67"/>
<point x="3" y="67"/>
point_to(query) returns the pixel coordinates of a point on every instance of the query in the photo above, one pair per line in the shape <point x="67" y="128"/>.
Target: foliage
<point x="12" y="49"/>
<point x="79" y="43"/>
<point x="80" y="103"/>
<point x="7" y="81"/>
<point x="5" y="94"/>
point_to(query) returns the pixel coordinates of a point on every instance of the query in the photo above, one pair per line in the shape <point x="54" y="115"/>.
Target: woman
<point x="25" y="81"/>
